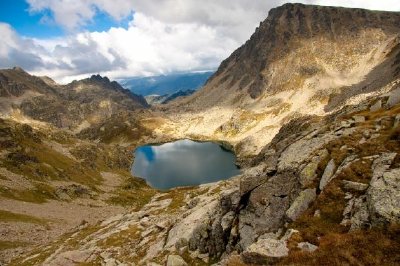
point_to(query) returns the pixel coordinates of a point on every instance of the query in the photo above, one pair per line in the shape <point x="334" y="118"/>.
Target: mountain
<point x="166" y="98"/>
<point x="168" y="84"/>
<point x="311" y="107"/>
<point x="74" y="105"/>
<point x="302" y="60"/>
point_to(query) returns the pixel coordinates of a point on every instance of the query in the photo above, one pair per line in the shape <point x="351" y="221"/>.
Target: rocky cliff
<point x="302" y="60"/>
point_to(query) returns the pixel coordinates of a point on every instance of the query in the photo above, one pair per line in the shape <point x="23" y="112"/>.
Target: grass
<point x="40" y="194"/>
<point x="134" y="193"/>
<point x="7" y="216"/>
<point x="378" y="246"/>
<point x="4" y="245"/>
<point x="338" y="246"/>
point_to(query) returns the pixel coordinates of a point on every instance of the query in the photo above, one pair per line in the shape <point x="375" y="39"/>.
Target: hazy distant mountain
<point x="169" y="84"/>
<point x="166" y="98"/>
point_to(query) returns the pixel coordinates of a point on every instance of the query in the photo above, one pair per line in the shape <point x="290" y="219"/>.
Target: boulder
<point x="264" y="251"/>
<point x="350" y="185"/>
<point x="265" y="207"/>
<point x="301" y="203"/>
<point x="394" y="98"/>
<point x="383" y="198"/>
<point x="376" y="106"/>
<point x="305" y="246"/>
<point x="309" y="173"/>
<point x="359" y="118"/>
<point x="328" y="174"/>
<point x="227" y="219"/>
<point x="175" y="260"/>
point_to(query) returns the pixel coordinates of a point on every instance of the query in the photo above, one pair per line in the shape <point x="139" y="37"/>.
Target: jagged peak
<point x="20" y="69"/>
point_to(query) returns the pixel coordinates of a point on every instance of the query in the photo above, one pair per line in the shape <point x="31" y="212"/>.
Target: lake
<point x="183" y="163"/>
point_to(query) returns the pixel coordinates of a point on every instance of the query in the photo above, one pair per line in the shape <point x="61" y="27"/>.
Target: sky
<point x="73" y="39"/>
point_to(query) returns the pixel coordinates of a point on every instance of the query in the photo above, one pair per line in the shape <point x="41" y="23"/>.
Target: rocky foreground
<point x="311" y="106"/>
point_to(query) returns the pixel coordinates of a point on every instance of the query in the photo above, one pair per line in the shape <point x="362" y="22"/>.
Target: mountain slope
<point x="302" y="60"/>
<point x="75" y="105"/>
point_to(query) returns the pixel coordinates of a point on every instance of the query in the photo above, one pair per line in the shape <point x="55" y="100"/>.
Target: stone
<point x="301" y="203"/>
<point x="288" y="234"/>
<point x="306" y="246"/>
<point x="175" y="260"/>
<point x="347" y="123"/>
<point x="376" y="106"/>
<point x="366" y="134"/>
<point x="350" y="185"/>
<point x="193" y="203"/>
<point x="309" y="173"/>
<point x="383" y="197"/>
<point x="266" y="207"/>
<point x="396" y="121"/>
<point x="394" y="98"/>
<point x="265" y="251"/>
<point x="381" y="165"/>
<point x="359" y="119"/>
<point x="360" y="218"/>
<point x="300" y="151"/>
<point x="328" y="174"/>
<point x="227" y="219"/>
<point x="317" y="213"/>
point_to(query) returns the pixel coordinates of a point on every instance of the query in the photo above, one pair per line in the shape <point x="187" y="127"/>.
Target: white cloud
<point x="164" y="36"/>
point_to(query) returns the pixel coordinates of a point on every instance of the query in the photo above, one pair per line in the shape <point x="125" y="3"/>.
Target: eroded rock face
<point x="301" y="203"/>
<point x="328" y="174"/>
<point x="266" y="207"/>
<point x="384" y="198"/>
<point x="175" y="260"/>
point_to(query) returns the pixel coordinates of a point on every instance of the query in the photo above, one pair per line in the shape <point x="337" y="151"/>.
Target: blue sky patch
<point x="41" y="24"/>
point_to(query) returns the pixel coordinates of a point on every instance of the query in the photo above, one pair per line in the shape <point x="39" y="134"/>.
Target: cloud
<point x="15" y="50"/>
<point x="163" y="37"/>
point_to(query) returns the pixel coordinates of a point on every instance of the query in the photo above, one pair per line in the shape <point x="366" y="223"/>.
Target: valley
<point x="310" y="105"/>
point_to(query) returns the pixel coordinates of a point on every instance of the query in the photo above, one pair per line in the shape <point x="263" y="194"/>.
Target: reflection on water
<point x="183" y="163"/>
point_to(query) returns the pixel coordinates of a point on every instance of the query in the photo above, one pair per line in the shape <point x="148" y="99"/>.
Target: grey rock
<point x="347" y="123"/>
<point x="305" y="246"/>
<point x="356" y="214"/>
<point x="301" y="203"/>
<point x="360" y="218"/>
<point x="359" y="118"/>
<point x="394" y="98"/>
<point x="354" y="185"/>
<point x="265" y="251"/>
<point x="396" y="121"/>
<point x="383" y="197"/>
<point x="328" y="174"/>
<point x="266" y="207"/>
<point x="366" y="134"/>
<point x="175" y="260"/>
<point x="288" y="234"/>
<point x="381" y="164"/>
<point x="193" y="203"/>
<point x="308" y="173"/>
<point x="227" y="219"/>
<point x="376" y="106"/>
<point x="301" y="151"/>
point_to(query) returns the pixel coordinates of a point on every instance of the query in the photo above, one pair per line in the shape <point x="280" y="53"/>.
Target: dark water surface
<point x="183" y="163"/>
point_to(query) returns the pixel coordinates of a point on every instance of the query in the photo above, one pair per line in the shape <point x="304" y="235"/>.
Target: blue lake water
<point x="183" y="163"/>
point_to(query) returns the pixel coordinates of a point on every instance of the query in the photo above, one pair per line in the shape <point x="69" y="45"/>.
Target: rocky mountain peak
<point x="293" y="26"/>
